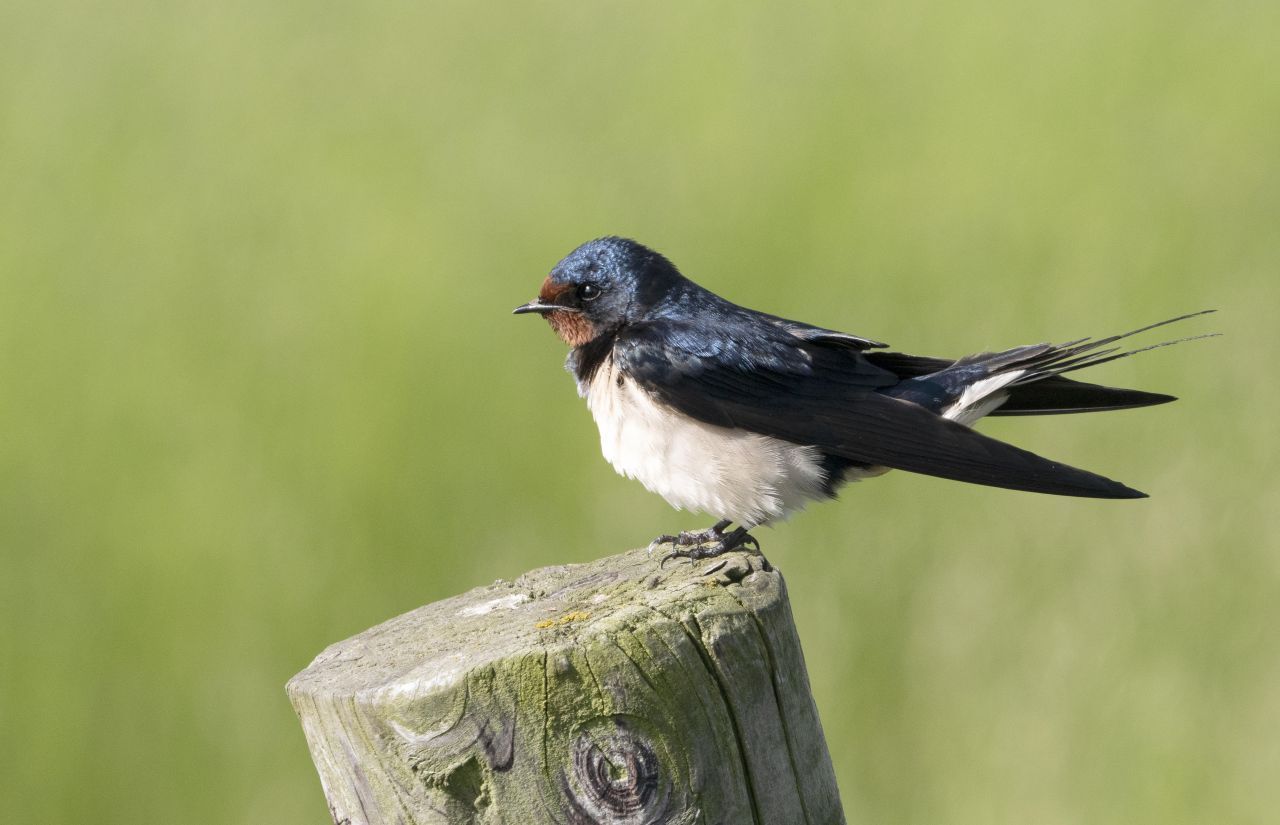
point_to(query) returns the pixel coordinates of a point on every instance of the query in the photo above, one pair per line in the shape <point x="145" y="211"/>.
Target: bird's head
<point x="600" y="287"/>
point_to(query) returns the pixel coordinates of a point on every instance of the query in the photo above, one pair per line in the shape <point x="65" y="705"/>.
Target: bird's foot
<point x="707" y="544"/>
<point x="690" y="538"/>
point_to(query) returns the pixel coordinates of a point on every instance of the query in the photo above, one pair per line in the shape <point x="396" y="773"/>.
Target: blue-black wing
<point x="758" y="376"/>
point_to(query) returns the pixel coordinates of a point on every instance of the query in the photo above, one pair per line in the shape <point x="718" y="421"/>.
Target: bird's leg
<point x="692" y="538"/>
<point x="723" y="543"/>
<point x="737" y="539"/>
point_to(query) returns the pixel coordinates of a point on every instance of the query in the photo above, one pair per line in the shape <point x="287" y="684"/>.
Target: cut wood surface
<point x="608" y="692"/>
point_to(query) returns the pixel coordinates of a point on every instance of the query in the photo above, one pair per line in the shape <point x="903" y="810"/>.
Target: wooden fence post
<point x="610" y="692"/>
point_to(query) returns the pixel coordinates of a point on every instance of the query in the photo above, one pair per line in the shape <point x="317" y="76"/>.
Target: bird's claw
<point x="661" y="540"/>
<point x="687" y="538"/>
<point x="704" y="544"/>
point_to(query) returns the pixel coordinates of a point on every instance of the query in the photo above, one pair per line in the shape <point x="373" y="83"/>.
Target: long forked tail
<point x="1041" y="388"/>
<point x="1086" y="352"/>
<point x="947" y="397"/>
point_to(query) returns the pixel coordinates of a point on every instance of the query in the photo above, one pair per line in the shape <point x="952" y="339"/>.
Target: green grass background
<point x="259" y="387"/>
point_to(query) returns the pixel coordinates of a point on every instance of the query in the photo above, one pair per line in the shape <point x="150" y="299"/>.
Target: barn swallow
<point x="747" y="416"/>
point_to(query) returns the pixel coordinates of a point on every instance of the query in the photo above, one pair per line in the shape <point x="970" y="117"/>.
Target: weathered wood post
<point x="610" y="692"/>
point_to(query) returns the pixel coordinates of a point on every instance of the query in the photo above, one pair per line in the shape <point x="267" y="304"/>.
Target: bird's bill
<point x="537" y="305"/>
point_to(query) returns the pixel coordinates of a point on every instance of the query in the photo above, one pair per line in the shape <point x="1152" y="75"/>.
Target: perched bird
<point x="747" y="416"/>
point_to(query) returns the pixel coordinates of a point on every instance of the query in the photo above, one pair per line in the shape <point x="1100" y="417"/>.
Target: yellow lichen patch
<point x="571" y="616"/>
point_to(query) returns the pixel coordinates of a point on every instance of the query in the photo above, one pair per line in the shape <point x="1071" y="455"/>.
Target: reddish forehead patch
<point x="551" y="291"/>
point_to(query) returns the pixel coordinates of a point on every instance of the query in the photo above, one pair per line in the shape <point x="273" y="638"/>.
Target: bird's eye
<point x="588" y="292"/>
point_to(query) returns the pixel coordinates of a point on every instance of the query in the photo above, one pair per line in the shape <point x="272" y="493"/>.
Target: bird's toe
<point x="665" y="538"/>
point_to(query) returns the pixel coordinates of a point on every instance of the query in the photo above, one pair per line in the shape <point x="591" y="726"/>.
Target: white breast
<point x="729" y="473"/>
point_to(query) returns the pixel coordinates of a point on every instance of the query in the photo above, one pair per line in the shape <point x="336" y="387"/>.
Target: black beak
<point x="537" y="306"/>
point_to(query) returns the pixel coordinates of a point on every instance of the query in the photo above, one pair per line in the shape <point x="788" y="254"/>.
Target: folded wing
<point x="830" y="397"/>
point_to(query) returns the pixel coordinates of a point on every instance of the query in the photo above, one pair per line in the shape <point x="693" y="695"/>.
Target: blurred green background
<point x="259" y="387"/>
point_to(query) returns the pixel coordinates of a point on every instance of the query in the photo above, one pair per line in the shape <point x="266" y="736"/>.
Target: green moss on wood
<point x="609" y="692"/>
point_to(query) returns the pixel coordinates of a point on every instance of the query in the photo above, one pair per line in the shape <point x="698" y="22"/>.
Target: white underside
<point x="734" y="474"/>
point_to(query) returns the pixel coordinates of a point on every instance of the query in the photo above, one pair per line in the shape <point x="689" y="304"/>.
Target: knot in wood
<point x="617" y="776"/>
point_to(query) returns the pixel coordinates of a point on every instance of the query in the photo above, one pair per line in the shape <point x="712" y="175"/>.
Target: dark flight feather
<point x="1055" y="395"/>
<point x="1043" y="390"/>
